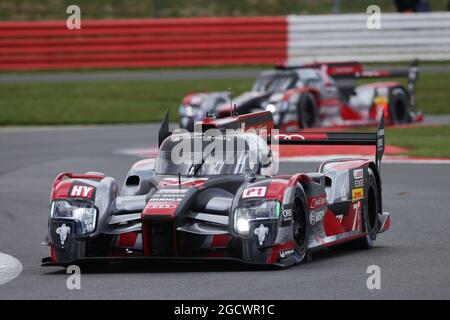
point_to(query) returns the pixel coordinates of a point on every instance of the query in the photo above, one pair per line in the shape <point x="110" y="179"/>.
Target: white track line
<point x="10" y="268"/>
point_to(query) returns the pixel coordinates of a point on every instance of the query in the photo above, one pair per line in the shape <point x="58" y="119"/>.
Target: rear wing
<point x="357" y="70"/>
<point x="335" y="138"/>
<point x="411" y="72"/>
<point x="345" y="74"/>
<point x="262" y="122"/>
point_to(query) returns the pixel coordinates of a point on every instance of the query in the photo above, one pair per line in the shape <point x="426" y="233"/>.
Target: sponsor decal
<point x="287" y="214"/>
<point x="254" y="192"/>
<point x="358" y="173"/>
<point x="286" y="253"/>
<point x="165" y="199"/>
<point x="184" y="182"/>
<point x="317" y="202"/>
<point x="316" y="216"/>
<point x="359" y="183"/>
<point x="82" y="191"/>
<point x="357" y="193"/>
<point x="161" y="206"/>
<point x="168" y="195"/>
<point x="63" y="231"/>
<point x="380" y="142"/>
<point x="289" y="137"/>
<point x="339" y="217"/>
<point x="355" y="220"/>
<point x="172" y="191"/>
<point x="261" y="233"/>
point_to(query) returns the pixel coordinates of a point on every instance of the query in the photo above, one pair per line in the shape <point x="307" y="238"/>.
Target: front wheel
<point x="300" y="227"/>
<point x="307" y="111"/>
<point x="399" y="106"/>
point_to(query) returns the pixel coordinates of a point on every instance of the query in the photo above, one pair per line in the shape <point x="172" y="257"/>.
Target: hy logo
<point x="63" y="231"/>
<point x="261" y="232"/>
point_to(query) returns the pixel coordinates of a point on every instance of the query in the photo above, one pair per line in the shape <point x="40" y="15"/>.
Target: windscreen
<point x="276" y="82"/>
<point x="192" y="156"/>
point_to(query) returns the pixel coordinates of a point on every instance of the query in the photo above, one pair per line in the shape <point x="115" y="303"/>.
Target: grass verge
<point x="100" y="102"/>
<point x="101" y="9"/>
<point x="421" y="141"/>
<point x="145" y="101"/>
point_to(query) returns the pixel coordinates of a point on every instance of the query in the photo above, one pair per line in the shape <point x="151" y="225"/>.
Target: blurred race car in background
<point x="316" y="95"/>
<point x="196" y="106"/>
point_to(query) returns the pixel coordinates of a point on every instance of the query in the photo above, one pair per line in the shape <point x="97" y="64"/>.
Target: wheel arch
<point x="298" y="185"/>
<point x="376" y="173"/>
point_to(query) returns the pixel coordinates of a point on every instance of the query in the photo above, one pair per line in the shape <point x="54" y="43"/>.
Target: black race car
<point x="201" y="209"/>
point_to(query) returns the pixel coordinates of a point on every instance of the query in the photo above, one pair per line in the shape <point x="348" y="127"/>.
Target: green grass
<point x="145" y="101"/>
<point x="100" y="102"/>
<point x="102" y="9"/>
<point x="421" y="141"/>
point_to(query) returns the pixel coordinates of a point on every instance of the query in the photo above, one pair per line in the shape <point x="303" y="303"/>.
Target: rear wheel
<point x="307" y="111"/>
<point x="399" y="106"/>
<point x="370" y="214"/>
<point x="300" y="227"/>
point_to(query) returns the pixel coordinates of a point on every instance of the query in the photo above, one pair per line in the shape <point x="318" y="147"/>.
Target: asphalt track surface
<point x="414" y="256"/>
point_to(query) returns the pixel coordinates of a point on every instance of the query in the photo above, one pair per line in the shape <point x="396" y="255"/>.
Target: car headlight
<point x="243" y="216"/>
<point x="271" y="107"/>
<point x="86" y="214"/>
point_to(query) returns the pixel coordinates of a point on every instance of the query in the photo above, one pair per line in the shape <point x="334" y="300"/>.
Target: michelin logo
<point x="261" y="232"/>
<point x="63" y="231"/>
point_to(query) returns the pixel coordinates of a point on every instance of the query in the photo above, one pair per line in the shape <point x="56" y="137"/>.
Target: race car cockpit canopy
<point x="275" y="81"/>
<point x="203" y="154"/>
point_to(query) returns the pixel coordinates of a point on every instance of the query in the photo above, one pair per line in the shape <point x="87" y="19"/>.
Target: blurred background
<point x="103" y="9"/>
<point x="132" y="59"/>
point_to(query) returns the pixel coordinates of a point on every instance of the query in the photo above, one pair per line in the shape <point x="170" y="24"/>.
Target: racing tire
<point x="300" y="225"/>
<point x="307" y="111"/>
<point x="371" y="208"/>
<point x="399" y="106"/>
